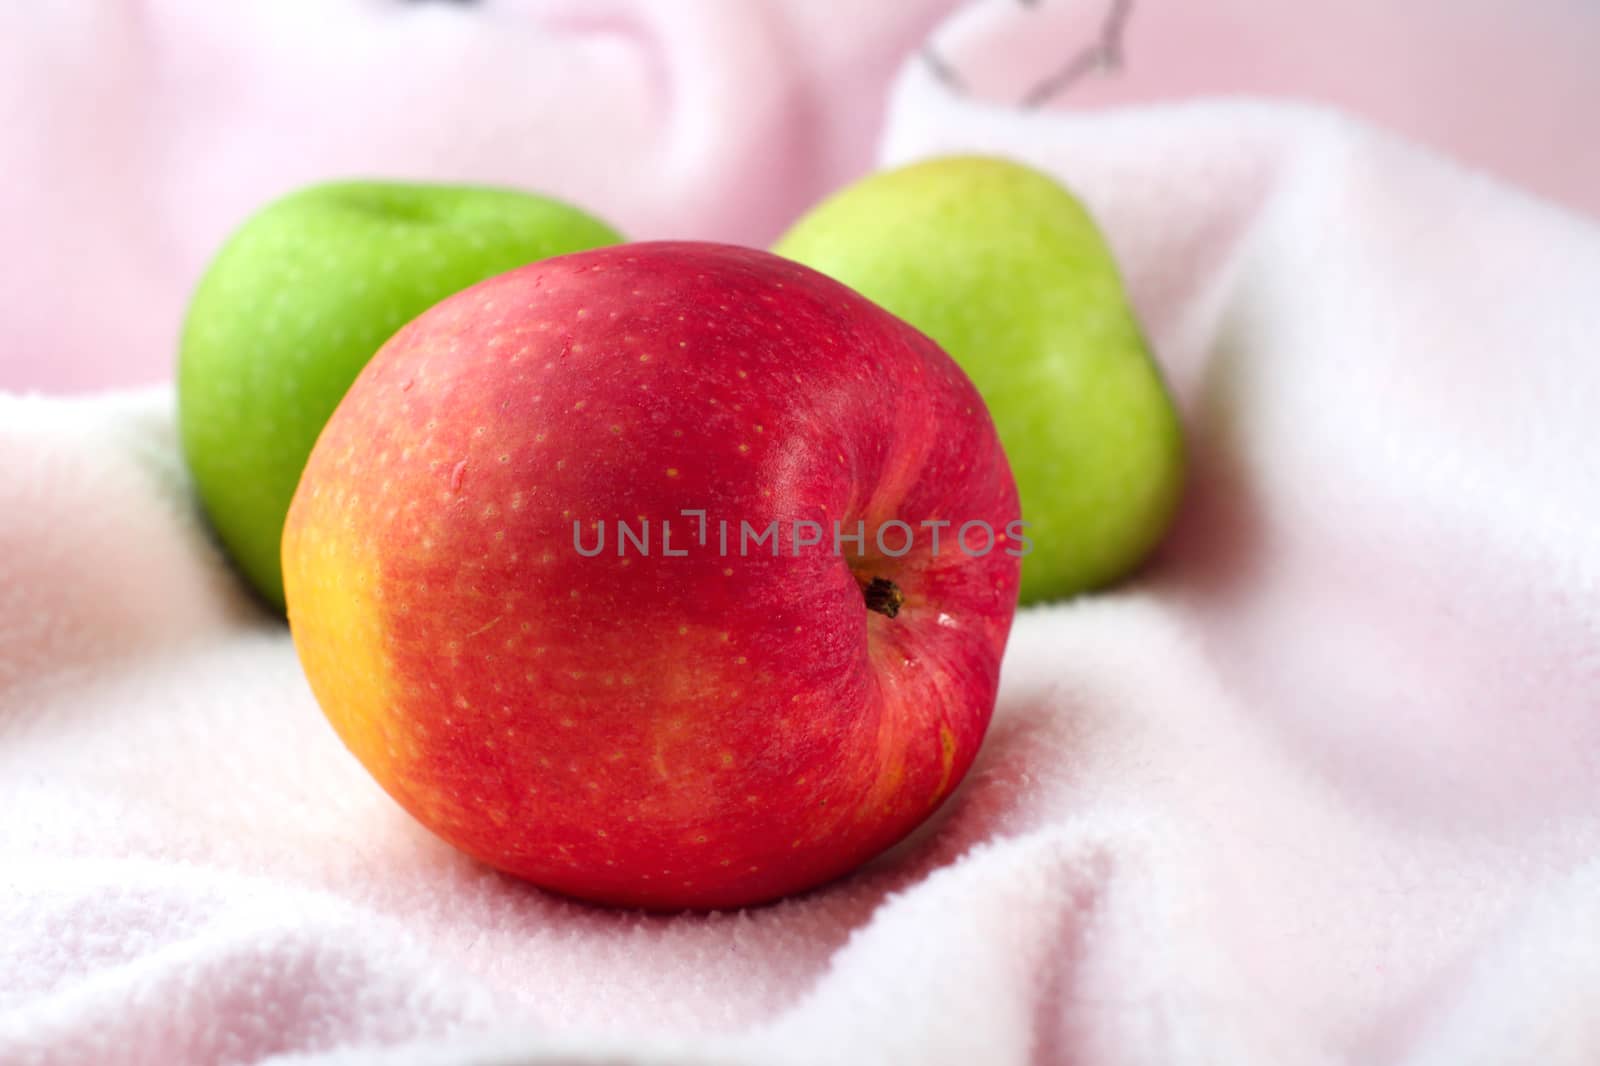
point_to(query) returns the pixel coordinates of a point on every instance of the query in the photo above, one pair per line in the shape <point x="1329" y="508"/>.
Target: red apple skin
<point x="694" y="731"/>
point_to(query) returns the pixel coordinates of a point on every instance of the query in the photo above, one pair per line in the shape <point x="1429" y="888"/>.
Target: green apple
<point x="297" y="301"/>
<point x="1006" y="270"/>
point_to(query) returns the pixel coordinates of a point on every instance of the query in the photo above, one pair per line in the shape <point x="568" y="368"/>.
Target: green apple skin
<point x="1007" y="271"/>
<point x="296" y="302"/>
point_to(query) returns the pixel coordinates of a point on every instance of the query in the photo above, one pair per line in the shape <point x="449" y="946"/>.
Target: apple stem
<point x="883" y="596"/>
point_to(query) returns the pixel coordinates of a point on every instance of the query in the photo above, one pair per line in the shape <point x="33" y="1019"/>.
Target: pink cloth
<point x="135" y="136"/>
<point x="1322" y="786"/>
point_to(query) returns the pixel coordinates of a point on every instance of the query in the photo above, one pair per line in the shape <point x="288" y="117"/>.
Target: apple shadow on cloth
<point x="258" y="605"/>
<point x="992" y="799"/>
<point x="1213" y="549"/>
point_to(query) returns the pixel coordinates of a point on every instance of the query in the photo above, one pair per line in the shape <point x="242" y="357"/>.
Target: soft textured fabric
<point x="1320" y="786"/>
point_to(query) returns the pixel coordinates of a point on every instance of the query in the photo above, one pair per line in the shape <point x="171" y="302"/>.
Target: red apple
<point x="667" y="722"/>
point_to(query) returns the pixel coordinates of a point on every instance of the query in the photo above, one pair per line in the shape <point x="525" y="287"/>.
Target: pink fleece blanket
<point x="1321" y="786"/>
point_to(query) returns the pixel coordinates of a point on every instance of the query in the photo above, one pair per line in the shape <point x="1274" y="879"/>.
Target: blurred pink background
<point x="136" y="135"/>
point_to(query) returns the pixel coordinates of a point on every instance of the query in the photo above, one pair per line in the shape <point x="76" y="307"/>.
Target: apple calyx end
<point x="883" y="596"/>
